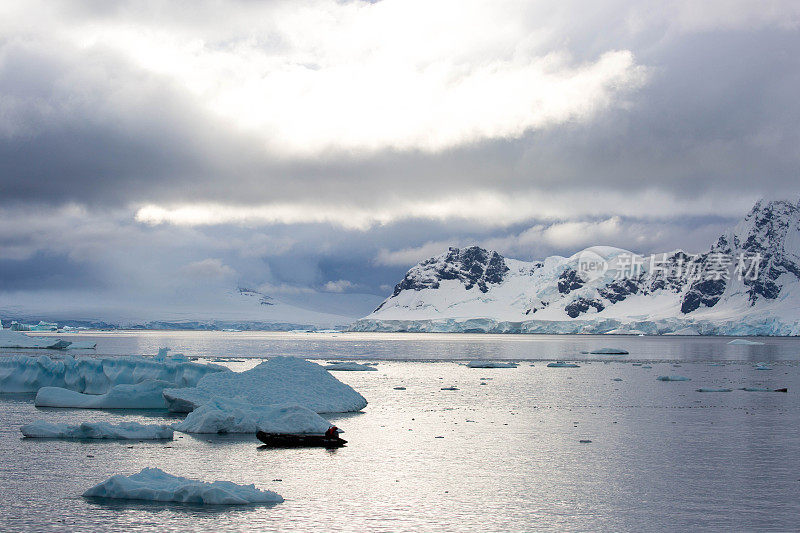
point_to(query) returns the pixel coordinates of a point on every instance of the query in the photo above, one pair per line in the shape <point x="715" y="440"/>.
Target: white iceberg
<point x="154" y="484"/>
<point x="224" y="415"/>
<point x="349" y="366"/>
<point x="745" y="342"/>
<point x="22" y="373"/>
<point x="145" y="395"/>
<point x="673" y="378"/>
<point x="491" y="364"/>
<point x="14" y="339"/>
<point x="96" y="430"/>
<point x="281" y="380"/>
<point x="562" y="364"/>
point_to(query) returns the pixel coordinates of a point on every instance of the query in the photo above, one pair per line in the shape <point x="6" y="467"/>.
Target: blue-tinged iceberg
<point x="22" y="373"/>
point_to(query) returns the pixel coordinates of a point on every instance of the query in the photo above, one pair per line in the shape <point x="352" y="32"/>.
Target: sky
<point x="154" y="155"/>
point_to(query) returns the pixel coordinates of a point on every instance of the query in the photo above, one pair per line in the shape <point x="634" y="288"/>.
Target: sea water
<point x="501" y="452"/>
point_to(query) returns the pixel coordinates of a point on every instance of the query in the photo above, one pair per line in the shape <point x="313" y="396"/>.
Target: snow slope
<point x="598" y="290"/>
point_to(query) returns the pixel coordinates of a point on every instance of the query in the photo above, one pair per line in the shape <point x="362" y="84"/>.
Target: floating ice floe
<point x="15" y="339"/>
<point x="82" y="345"/>
<point x="224" y="415"/>
<point x="349" y="366"/>
<point x="562" y="364"/>
<point x="154" y="484"/>
<point x="616" y="379"/>
<point x="449" y="388"/>
<point x="745" y="342"/>
<point x="713" y="389"/>
<point x="673" y="378"/>
<point x="609" y="351"/>
<point x="145" y="395"/>
<point x="95" y="376"/>
<point x="96" y="430"/>
<point x="491" y="364"/>
<point x="756" y="389"/>
<point x="762" y="366"/>
<point x="281" y="380"/>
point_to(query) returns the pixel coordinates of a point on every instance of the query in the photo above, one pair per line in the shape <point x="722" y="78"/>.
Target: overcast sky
<point x="321" y="148"/>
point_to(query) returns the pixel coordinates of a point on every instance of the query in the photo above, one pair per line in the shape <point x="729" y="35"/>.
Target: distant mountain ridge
<point x="747" y="283"/>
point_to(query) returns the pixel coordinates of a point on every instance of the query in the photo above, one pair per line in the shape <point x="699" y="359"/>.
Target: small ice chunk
<point x="584" y="441"/>
<point x="449" y="388"/>
<point x="756" y="389"/>
<point x="96" y="430"/>
<point x="562" y="364"/>
<point x="491" y="364"/>
<point x="399" y="388"/>
<point x="82" y="345"/>
<point x="349" y="366"/>
<point x="745" y="342"/>
<point x="616" y="379"/>
<point x="609" y="351"/>
<point x="144" y="395"/>
<point x="673" y="378"/>
<point x="154" y="484"/>
<point x="713" y="389"/>
<point x="762" y="366"/>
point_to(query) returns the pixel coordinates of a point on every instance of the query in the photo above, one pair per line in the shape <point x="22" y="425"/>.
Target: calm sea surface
<point x="503" y="456"/>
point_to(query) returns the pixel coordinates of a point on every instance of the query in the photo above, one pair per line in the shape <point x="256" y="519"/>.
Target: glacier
<point x="97" y="430"/>
<point x="154" y="484"/>
<point x="474" y="290"/>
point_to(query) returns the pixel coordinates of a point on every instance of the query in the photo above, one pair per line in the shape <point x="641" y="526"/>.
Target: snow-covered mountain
<point x="747" y="283"/>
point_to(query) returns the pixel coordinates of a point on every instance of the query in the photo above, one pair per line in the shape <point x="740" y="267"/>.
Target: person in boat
<point x="332" y="433"/>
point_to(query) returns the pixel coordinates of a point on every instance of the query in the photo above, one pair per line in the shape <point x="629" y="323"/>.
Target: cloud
<point x="340" y="285"/>
<point x="208" y="268"/>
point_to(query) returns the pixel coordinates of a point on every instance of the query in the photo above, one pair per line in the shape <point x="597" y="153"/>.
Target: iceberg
<point x="562" y="364"/>
<point x="609" y="351"/>
<point x="745" y="342"/>
<point x="22" y="373"/>
<point x="82" y="345"/>
<point x="349" y="366"/>
<point x="96" y="430"/>
<point x="225" y="415"/>
<point x="144" y="395"/>
<point x="762" y="366"/>
<point x="154" y="484"/>
<point x="280" y="380"/>
<point x="14" y="339"/>
<point x="673" y="378"/>
<point x="491" y="364"/>
<point x="713" y="389"/>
